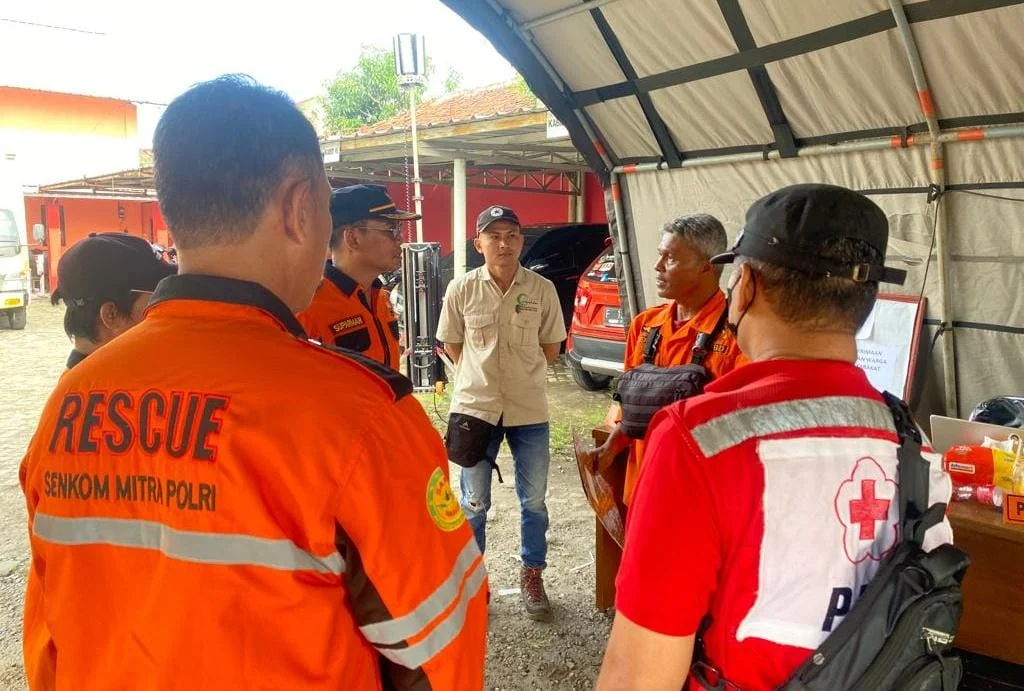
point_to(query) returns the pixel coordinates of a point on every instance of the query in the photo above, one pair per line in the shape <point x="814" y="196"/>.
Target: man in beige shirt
<point x="502" y="325"/>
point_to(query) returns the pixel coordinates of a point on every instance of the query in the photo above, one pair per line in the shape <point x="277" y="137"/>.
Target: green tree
<point x="365" y="94"/>
<point x="453" y="82"/>
<point x="520" y="85"/>
<point x="369" y="92"/>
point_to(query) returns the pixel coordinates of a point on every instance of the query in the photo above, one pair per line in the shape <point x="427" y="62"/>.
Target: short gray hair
<point x="704" y="232"/>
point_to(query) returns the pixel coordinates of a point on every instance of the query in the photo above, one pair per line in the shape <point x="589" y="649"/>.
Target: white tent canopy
<point x="706" y="105"/>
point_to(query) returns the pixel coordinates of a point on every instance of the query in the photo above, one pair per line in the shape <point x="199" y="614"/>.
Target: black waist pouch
<point x="467" y="439"/>
<point x="646" y="389"/>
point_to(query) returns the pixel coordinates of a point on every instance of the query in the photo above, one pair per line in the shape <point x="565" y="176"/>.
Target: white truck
<point x="15" y="277"/>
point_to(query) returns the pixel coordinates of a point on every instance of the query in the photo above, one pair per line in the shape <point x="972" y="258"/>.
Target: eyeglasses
<point x="392" y="230"/>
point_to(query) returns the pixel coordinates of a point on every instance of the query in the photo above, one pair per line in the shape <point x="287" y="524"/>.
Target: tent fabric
<point x="771" y="22"/>
<point x="810" y="85"/>
<point x="751" y="75"/>
<point x="656" y="52"/>
<point x="976" y="67"/>
<point x="970" y="54"/>
<point x="593" y="64"/>
<point x="986" y="242"/>
<point x="624" y="127"/>
<point x="697" y="119"/>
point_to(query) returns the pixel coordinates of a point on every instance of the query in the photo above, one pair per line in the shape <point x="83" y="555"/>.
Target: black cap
<point x="107" y="266"/>
<point x="789" y="226"/>
<point x="495" y="213"/>
<point x="362" y="202"/>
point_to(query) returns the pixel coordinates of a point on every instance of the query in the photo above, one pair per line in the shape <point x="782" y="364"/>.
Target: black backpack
<point x="899" y="635"/>
<point x="647" y="388"/>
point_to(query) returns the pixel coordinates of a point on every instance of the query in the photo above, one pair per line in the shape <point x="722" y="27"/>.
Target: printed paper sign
<point x="881" y="363"/>
<point x="885" y="342"/>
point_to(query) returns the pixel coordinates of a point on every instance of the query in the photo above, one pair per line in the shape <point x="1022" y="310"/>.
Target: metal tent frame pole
<point x="567" y="12"/>
<point x="878" y="144"/>
<point x="622" y="246"/>
<point x="417" y="194"/>
<point x="580" y="200"/>
<point x="937" y="171"/>
<point x="459" y="215"/>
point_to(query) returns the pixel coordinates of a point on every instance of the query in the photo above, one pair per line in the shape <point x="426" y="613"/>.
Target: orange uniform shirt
<point x="342" y="314"/>
<point x="226" y="521"/>
<point x="674" y="350"/>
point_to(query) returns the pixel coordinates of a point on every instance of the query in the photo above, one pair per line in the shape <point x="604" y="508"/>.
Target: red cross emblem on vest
<point x="865" y="506"/>
<point x="867" y="510"/>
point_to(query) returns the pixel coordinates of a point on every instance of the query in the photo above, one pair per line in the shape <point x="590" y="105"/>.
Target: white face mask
<point x="735" y="328"/>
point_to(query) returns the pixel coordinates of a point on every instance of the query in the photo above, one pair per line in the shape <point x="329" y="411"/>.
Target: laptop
<point x="948" y="432"/>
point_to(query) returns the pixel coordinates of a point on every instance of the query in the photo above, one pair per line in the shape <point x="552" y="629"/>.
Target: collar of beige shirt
<point x="485" y="275"/>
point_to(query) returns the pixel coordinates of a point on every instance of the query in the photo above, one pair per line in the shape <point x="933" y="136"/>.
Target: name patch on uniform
<point x="348" y="324"/>
<point x="441" y="503"/>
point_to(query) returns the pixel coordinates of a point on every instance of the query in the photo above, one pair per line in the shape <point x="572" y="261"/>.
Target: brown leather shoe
<point x="531" y="588"/>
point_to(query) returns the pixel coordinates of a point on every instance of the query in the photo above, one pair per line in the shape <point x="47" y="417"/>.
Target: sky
<point x="150" y="51"/>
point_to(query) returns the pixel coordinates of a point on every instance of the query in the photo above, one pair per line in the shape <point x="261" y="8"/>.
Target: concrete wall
<point x="84" y="216"/>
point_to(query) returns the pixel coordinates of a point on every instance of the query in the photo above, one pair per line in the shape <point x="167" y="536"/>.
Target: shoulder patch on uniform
<point x="441" y="503"/>
<point x="339" y="328"/>
<point x="399" y="384"/>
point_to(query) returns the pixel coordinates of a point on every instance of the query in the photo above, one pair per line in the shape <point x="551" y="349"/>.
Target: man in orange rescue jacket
<point x="226" y="520"/>
<point x="351" y="309"/>
<point x="696" y="304"/>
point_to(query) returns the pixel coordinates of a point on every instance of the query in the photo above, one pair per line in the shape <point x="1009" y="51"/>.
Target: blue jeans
<point x="531" y="456"/>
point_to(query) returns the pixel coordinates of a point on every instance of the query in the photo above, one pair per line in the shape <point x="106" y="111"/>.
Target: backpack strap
<point x="702" y="346"/>
<point x="916" y="516"/>
<point x="651" y="344"/>
<point x="707" y="676"/>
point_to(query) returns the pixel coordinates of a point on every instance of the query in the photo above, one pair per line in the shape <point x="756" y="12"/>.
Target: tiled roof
<point x="477" y="104"/>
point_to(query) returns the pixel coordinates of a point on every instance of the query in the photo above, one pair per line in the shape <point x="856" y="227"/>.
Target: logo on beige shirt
<point x="525" y="304"/>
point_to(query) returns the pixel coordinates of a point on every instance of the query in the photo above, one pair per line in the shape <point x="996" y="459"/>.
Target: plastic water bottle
<point x="983" y="494"/>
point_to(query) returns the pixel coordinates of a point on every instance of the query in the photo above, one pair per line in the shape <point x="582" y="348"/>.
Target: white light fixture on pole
<point x="411" y="66"/>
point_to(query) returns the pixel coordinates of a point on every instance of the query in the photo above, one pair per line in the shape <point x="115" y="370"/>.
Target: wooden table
<point x="993" y="621"/>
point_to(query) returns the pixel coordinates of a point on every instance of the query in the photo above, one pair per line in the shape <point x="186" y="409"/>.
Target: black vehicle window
<point x="529" y="240"/>
<point x="561" y="248"/>
<point x="589" y="246"/>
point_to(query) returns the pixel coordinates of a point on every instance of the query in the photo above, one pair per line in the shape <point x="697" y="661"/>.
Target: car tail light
<point x="582" y="298"/>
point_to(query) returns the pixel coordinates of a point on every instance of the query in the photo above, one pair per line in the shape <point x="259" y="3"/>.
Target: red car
<point x="597" y="335"/>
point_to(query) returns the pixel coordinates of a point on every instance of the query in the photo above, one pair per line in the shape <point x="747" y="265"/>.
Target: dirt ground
<point x="563" y="654"/>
